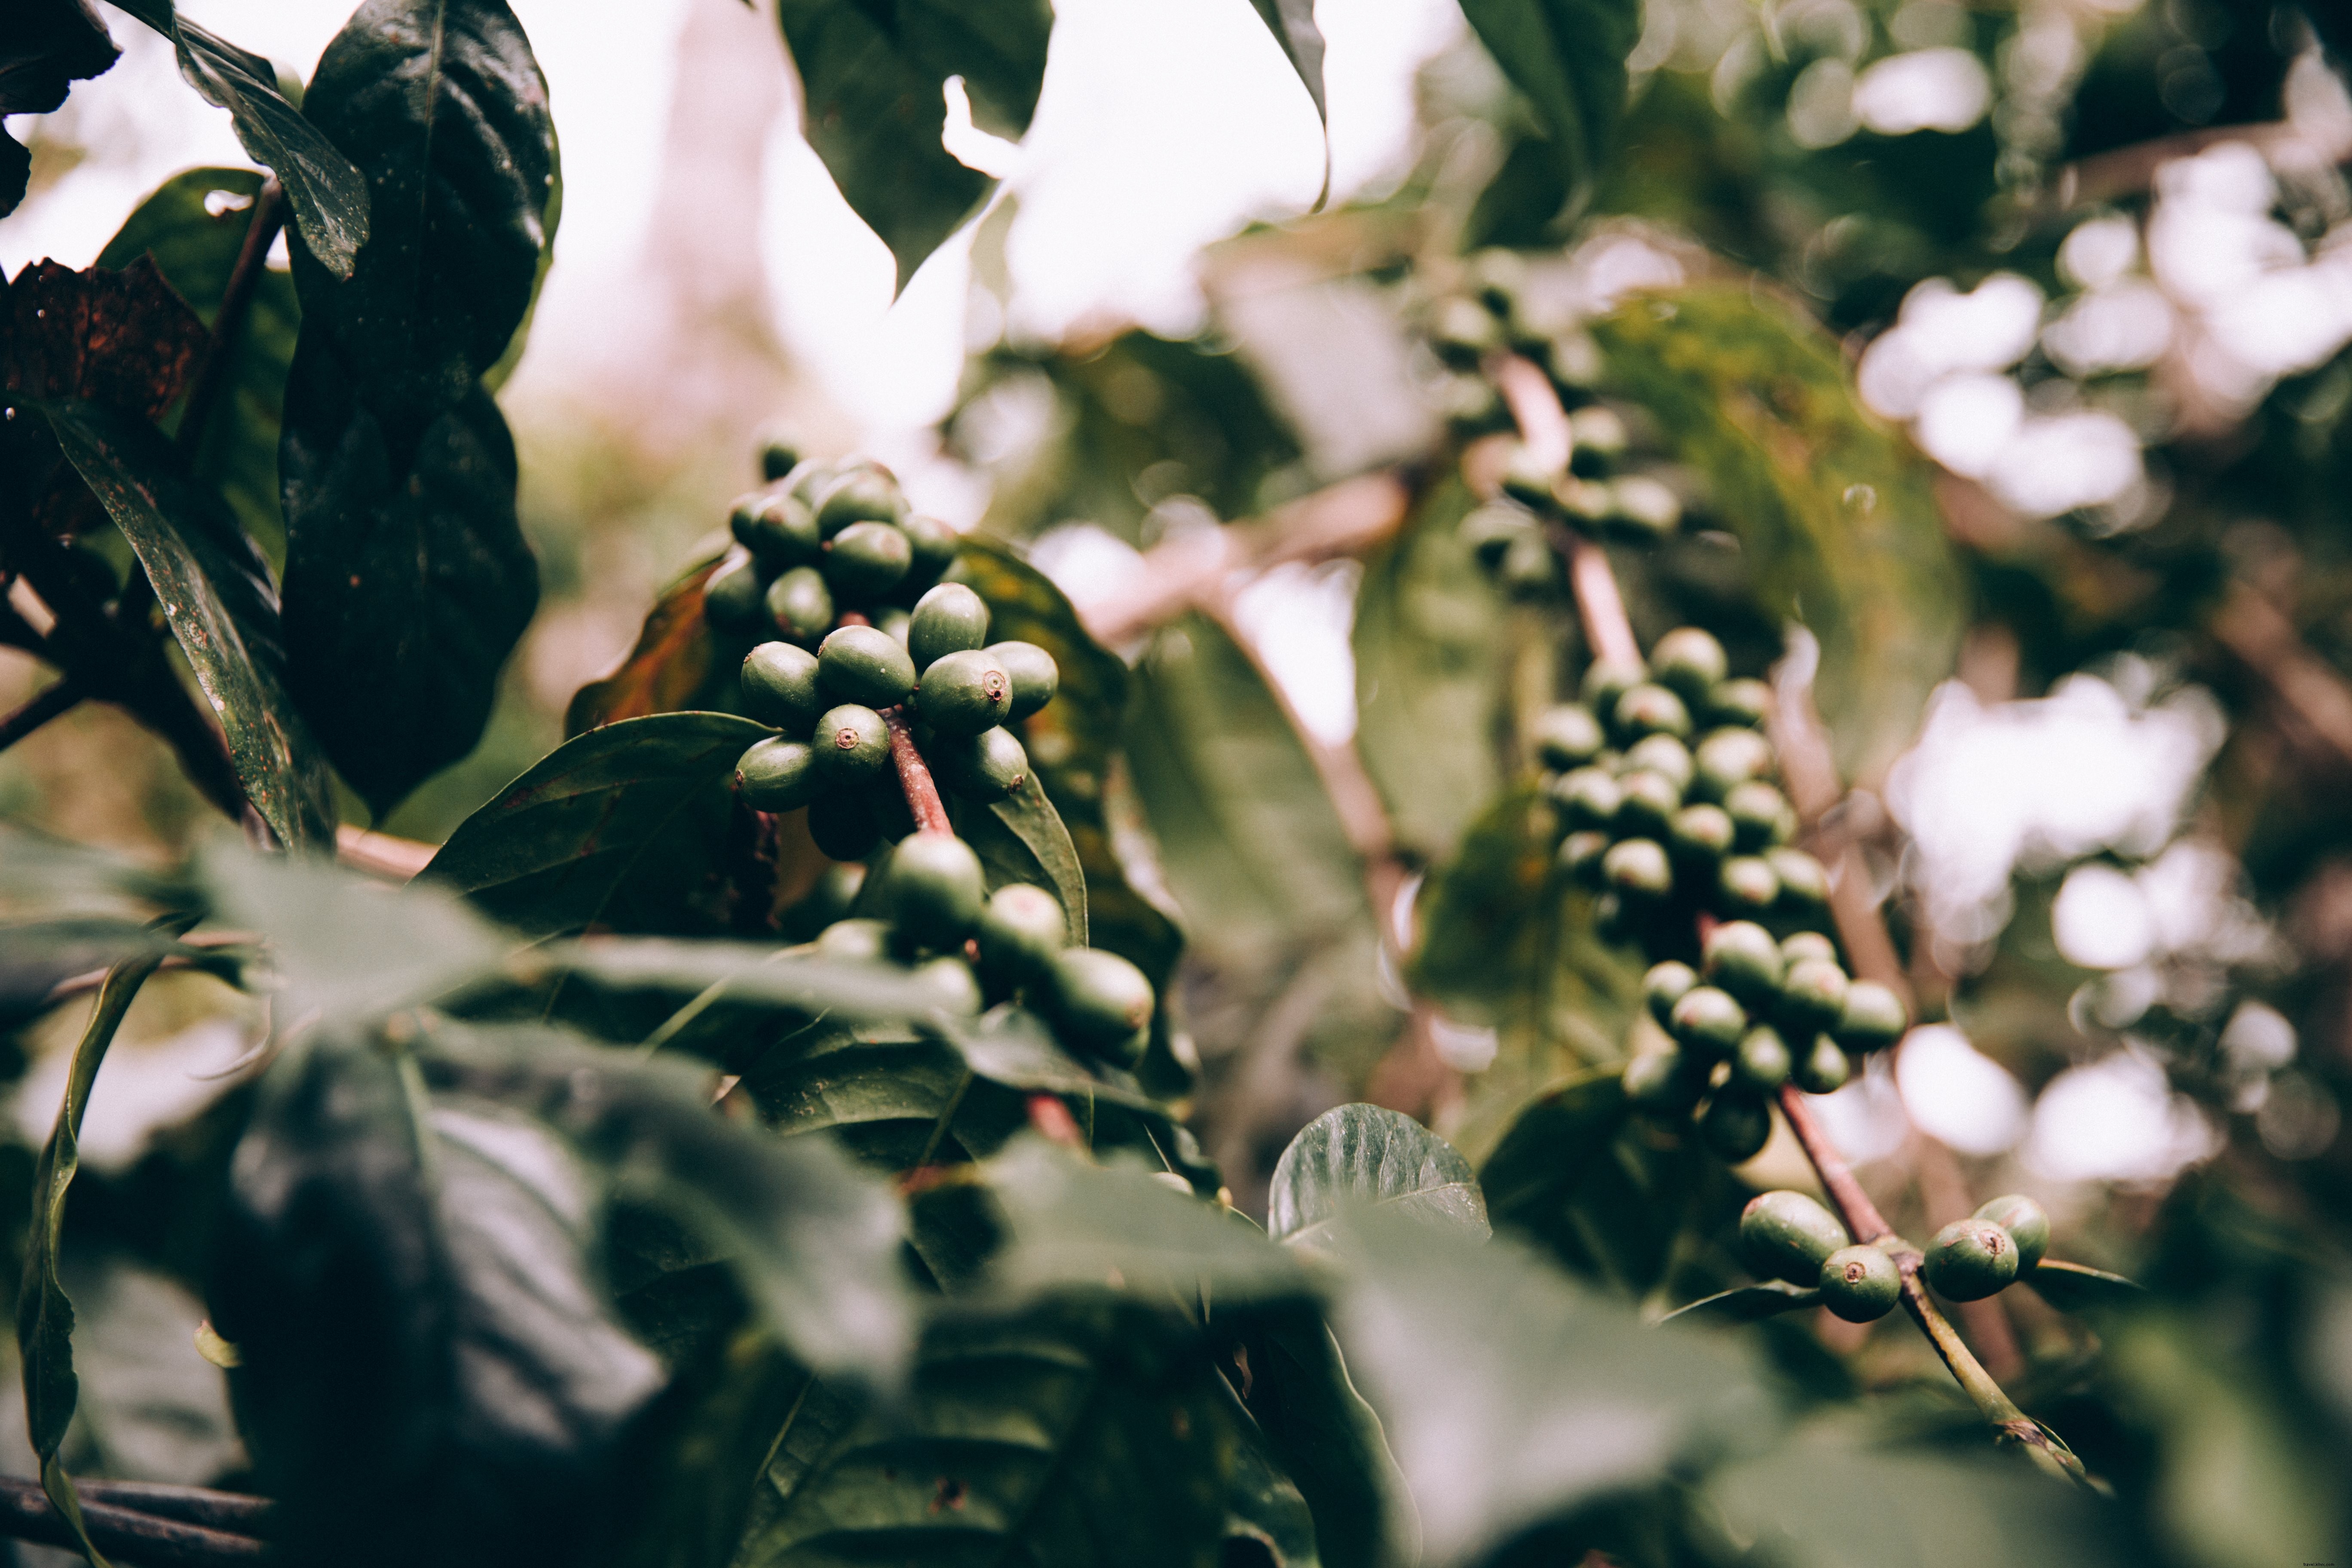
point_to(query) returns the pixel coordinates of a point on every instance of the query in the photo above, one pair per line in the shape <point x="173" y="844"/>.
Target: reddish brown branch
<point x="228" y="322"/>
<point x="915" y="775"/>
<point x="137" y="1536"/>
<point x="49" y="705"/>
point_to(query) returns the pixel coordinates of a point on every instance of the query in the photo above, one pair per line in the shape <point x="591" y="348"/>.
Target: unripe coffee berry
<point x="841" y="822"/>
<point x="950" y="980"/>
<point x="1529" y="482"/>
<point x="1700" y="836"/>
<point x="1804" y="881"/>
<point x="855" y="939"/>
<point x="1665" y="756"/>
<point x="1689" y="662"/>
<point x="1760" y="814"/>
<point x="1530" y="568"/>
<point x="1567" y="736"/>
<point x="1644" y="508"/>
<point x="1035" y="676"/>
<point x="778" y="527"/>
<point x="1745" y="887"/>
<point x="1799" y="946"/>
<point x="1665" y="985"/>
<point x="1707" y="1020"/>
<point x="1646" y="804"/>
<point x="934" y="545"/>
<point x="989" y="765"/>
<point x="866" y="560"/>
<point x="776" y="775"/>
<point x="866" y="493"/>
<point x="1736" y="1124"/>
<point x="1761" y="1061"/>
<point x="1096" y="1000"/>
<point x="1822" y="1069"/>
<point x="932" y="887"/>
<point x="2028" y="1224"/>
<point x="950" y="618"/>
<point x="1606" y="680"/>
<point x="731" y="596"/>
<point x="1786" y="1235"/>
<point x="1650" y="710"/>
<point x="1860" y="1284"/>
<point x="865" y="665"/>
<point x="1491" y="531"/>
<point x="1664" y="1083"/>
<point x="1462" y="331"/>
<point x="780" y="687"/>
<point x="1587" y="798"/>
<point x="1741" y="958"/>
<point x="1813" y="996"/>
<point x="1020" y="931"/>
<point x="799" y="605"/>
<point x="852" y="744"/>
<point x="1970" y="1259"/>
<point x="1727" y="759"/>
<point x="1580" y="853"/>
<point x="1746" y="703"/>
<point x="1875" y="1017"/>
<point x="1598" y="431"/>
<point x="1638" y="867"/>
<point x="964" y="693"/>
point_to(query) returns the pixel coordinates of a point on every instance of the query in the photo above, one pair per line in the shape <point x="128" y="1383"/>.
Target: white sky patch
<point x="1957" y="1094"/>
<point x="1299" y="618"/>
<point x="1927" y="89"/>
<point x="2116" y="1119"/>
<point x="1866" y="1119"/>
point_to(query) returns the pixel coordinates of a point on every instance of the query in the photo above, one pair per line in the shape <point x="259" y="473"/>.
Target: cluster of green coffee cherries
<point x="1789" y="1235"/>
<point x="931" y="910"/>
<point x="1511" y="536"/>
<point x="819" y="540"/>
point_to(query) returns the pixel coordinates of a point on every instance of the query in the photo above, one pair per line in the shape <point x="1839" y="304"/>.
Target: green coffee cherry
<point x="864" y="493"/>
<point x="932" y="886"/>
<point x="1567" y="736"/>
<point x="1745" y="887"/>
<point x="1799" y="946"/>
<point x="1736" y="1124"/>
<point x="1761" y="814"/>
<point x="1860" y="1284"/>
<point x="1875" y="1017"/>
<point x="862" y="939"/>
<point x="950" y="618"/>
<point x="1804" y="881"/>
<point x="1020" y="931"/>
<point x="866" y="560"/>
<point x="810" y="479"/>
<point x="2028" y="1224"/>
<point x="1587" y="798"/>
<point x="1096" y="1000"/>
<point x="1663" y="755"/>
<point x="1700" y="836"/>
<point x="1035" y="676"/>
<point x="1605" y="681"/>
<point x="964" y="693"/>
<point x="1462" y="331"/>
<point x="1665" y="985"/>
<point x="799" y="606"/>
<point x="778" y="527"/>
<point x="1746" y="703"/>
<point x="779" y="455"/>
<point x="776" y="775"/>
<point x="1761" y="1061"/>
<point x="1650" y="710"/>
<point x="1490" y="530"/>
<point x="1812" y="995"/>
<point x="1529" y="483"/>
<point x="1970" y="1259"/>
<point x="1727" y="759"/>
<point x="1689" y="662"/>
<point x="1580" y="853"/>
<point x="949" y="978"/>
<point x="986" y="767"/>
<point x="1643" y="507"/>
<point x="865" y="665"/>
<point x="731" y="596"/>
<point x="934" y="545"/>
<point x="1638" y="867"/>
<point x="895" y="624"/>
<point x="1786" y="1235"/>
<point x="1664" y="1083"/>
<point x="1821" y="1070"/>
<point x="1741" y="958"/>
<point x="852" y="744"/>
<point x="1646" y="804"/>
<point x="841" y="822"/>
<point x="1598" y="430"/>
<point x="1708" y="1022"/>
<point x="1531" y="568"/>
<point x="780" y="690"/>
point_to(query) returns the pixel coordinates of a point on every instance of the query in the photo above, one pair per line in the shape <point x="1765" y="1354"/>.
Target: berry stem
<point x="1543" y="431"/>
<point x="914" y="776"/>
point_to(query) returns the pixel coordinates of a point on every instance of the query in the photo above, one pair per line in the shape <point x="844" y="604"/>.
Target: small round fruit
<point x="1580" y="853"/>
<point x="1665" y="985"/>
<point x="1035" y="676"/>
<point x="1786" y="1235"/>
<point x="1646" y="804"/>
<point x="1736" y="1124"/>
<point x="950" y="618"/>
<point x="1860" y="1284"/>
<point x="1664" y="1083"/>
<point x="1812" y="995"/>
<point x="1097" y="999"/>
<point x="776" y="775"/>
<point x="1689" y="662"/>
<point x="1727" y="759"/>
<point x="1761" y="1061"/>
<point x="2028" y="1224"/>
<point x="842" y="824"/>
<point x="852" y="743"/>
<point x="964" y="693"/>
<point x="1605" y="681"/>
<point x="1587" y="798"/>
<point x="1745" y="886"/>
<point x="1462" y="331"/>
<point x="1529" y="482"/>
<point x="1760" y="813"/>
<point x="1875" y="1017"/>
<point x="949" y="979"/>
<point x="778" y="527"/>
<point x="934" y="545"/>
<point x="1663" y="755"/>
<point x="1598" y="429"/>
<point x="1741" y="958"/>
<point x="1804" y="881"/>
<point x="1970" y="1259"/>
<point x="730" y="596"/>
<point x="1638" y="867"/>
<point x="866" y="560"/>
<point x="1822" y="1069"/>
<point x="1644" y="508"/>
<point x="1747" y="703"/>
<point x="1650" y="710"/>
<point x="778" y="684"/>
<point x="799" y="606"/>
<point x="932" y="887"/>
<point x="989" y="765"/>
<point x="1799" y="946"/>
<point x="865" y="665"/>
<point x="1567" y="736"/>
<point x="1707" y="1020"/>
<point x="1490" y="532"/>
<point x="1700" y="836"/>
<point x="864" y="493"/>
<point x="895" y="624"/>
<point x="1020" y="931"/>
<point x="779" y="455"/>
<point x="855" y="939"/>
<point x="1531" y="568"/>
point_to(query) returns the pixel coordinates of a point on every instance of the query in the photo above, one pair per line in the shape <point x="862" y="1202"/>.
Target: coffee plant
<point x="928" y="1072"/>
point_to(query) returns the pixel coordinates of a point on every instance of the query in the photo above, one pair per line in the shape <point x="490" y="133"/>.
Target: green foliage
<point x="1292" y="22"/>
<point x="1360" y="1156"/>
<point x="56" y="44"/>
<point x="1568" y="58"/>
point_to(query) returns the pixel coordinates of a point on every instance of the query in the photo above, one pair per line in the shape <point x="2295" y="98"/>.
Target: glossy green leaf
<point x="196" y="248"/>
<point x="873" y="102"/>
<point x="1364" y="1156"/>
<point x="622" y="829"/>
<point x="51" y="44"/>
<point x="1568" y="58"/>
<point x="1834" y="512"/>
<point x="844" y="990"/>
<point x="1747" y="1303"/>
<point x="2075" y="1287"/>
<point x="327" y="191"/>
<point x="1328" y="1439"/>
<point x="1482" y="945"/>
<point x="1030" y="818"/>
<point x="895" y="1098"/>
<point x="408" y="577"/>
<point x="1292" y="22"/>
<point x="217" y="597"/>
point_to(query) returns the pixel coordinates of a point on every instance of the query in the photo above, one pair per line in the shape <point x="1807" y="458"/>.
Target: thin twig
<point x="49" y="705"/>
<point x="240" y="1513"/>
<point x="228" y="322"/>
<point x="140" y="1537"/>
<point x="914" y="776"/>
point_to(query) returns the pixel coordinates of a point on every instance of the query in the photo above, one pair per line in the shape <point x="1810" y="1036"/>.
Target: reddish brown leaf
<point x="664" y="673"/>
<point x="124" y="340"/>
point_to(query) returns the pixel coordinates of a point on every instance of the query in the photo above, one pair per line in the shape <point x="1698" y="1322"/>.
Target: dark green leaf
<point x="216" y="593"/>
<point x="1482" y="945"/>
<point x="1360" y="1156"/>
<point x="196" y="249"/>
<point x="896" y="1099"/>
<point x="843" y="990"/>
<point x="2073" y="1288"/>
<point x="329" y="194"/>
<point x="1834" y="513"/>
<point x="1537" y="1167"/>
<point x="49" y="44"/>
<point x="1747" y="1303"/>
<point x="1292" y="22"/>
<point x="407" y="579"/>
<point x="55" y="876"/>
<point x="1568" y="58"/>
<point x="1033" y="823"/>
<point x="1328" y="1439"/>
<point x="873" y="78"/>
<point x="623" y="828"/>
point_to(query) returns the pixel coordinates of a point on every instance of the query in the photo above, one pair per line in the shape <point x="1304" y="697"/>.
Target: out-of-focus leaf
<point x="623" y="828"/>
<point x="1328" y="1439"/>
<point x="2075" y="1288"/>
<point x="1484" y="942"/>
<point x="1834" y="512"/>
<point x="1568" y="58"/>
<point x="1089" y="1432"/>
<point x="873" y="106"/>
<point x="670" y="666"/>
<point x="1509" y="1395"/>
<point x="329" y="193"/>
<point x="407" y="578"/>
<point x="216" y="593"/>
<point x="196" y="248"/>
<point x="1747" y="1303"/>
<point x="50" y="43"/>
<point x="845" y="990"/>
<point x="1360" y="1156"/>
<point x="36" y="955"/>
<point x="55" y="876"/>
<point x="1292" y="22"/>
<point x="1428" y="641"/>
